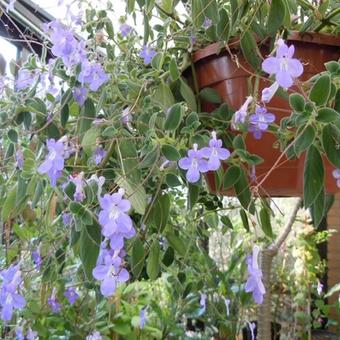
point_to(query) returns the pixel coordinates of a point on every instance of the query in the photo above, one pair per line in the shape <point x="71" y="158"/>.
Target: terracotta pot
<point x="220" y="72"/>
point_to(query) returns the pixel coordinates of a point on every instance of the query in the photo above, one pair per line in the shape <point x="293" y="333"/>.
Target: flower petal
<point x="271" y="65"/>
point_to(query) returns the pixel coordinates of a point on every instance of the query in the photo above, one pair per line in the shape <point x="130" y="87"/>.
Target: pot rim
<point x="308" y="37"/>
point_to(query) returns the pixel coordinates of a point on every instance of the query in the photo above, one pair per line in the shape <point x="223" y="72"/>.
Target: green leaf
<point x="197" y="11"/>
<point x="318" y="208"/>
<point x="276" y="16"/>
<point x="9" y="153"/>
<point x="12" y="136"/>
<point x="297" y="102"/>
<point x="243" y="192"/>
<point x="173" y="68"/>
<point x="9" y="204"/>
<point x="168" y="257"/>
<point x="226" y="221"/>
<point x="164" y="96"/>
<point x="109" y="29"/>
<point x="172" y="180"/>
<point x="137" y="257"/>
<point x="334" y="289"/>
<point x="89" y="242"/>
<point x="210" y="95"/>
<point x="170" y="152"/>
<point x="176" y="243"/>
<point x="135" y="193"/>
<point x="305" y="140"/>
<point x="238" y="143"/>
<point x="244" y="219"/>
<point x="89" y="140"/>
<point x="327" y="115"/>
<point x="174" y="117"/>
<point x="153" y="261"/>
<point x="250" y="50"/>
<point x="265" y="222"/>
<point x="150" y="158"/>
<point x="161" y="211"/>
<point x="231" y="176"/>
<point x="87" y="116"/>
<point x="223" y="26"/>
<point x="332" y="66"/>
<point x="194" y="191"/>
<point x="330" y="143"/>
<point x="314" y="174"/>
<point x="188" y="95"/>
<point x="321" y="90"/>
<point x="211" y="10"/>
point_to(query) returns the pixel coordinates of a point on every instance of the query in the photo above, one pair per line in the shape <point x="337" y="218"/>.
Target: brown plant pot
<point x="220" y="72"/>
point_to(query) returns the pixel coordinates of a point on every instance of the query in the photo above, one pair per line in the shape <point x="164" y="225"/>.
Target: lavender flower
<point x="126" y="115"/>
<point x="36" y="258"/>
<point x="94" y="336"/>
<point x="203" y="299"/>
<point x="110" y="274"/>
<point x="19" y="333"/>
<point x="31" y="335"/>
<point x="125" y="29"/>
<point x="67" y="218"/>
<point x="53" y="302"/>
<point x="283" y="65"/>
<point x="142" y="317"/>
<point x="98" y="155"/>
<point x="260" y="121"/>
<point x="147" y="53"/>
<point x="10" y="299"/>
<point x="116" y="224"/>
<point x="78" y="181"/>
<point x="194" y="163"/>
<point x="71" y="295"/>
<point x="241" y="114"/>
<point x="80" y="95"/>
<point x="10" y="6"/>
<point x="319" y="288"/>
<point x="93" y="75"/>
<point x="25" y="78"/>
<point x="336" y="175"/>
<point x="54" y="163"/>
<point x="207" y="23"/>
<point x="215" y="153"/>
<point x="254" y="283"/>
<point x="19" y="156"/>
<point x="269" y="92"/>
<point x="227" y="304"/>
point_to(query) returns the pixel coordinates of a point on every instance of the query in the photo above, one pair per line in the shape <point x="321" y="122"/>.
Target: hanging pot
<point x="216" y="69"/>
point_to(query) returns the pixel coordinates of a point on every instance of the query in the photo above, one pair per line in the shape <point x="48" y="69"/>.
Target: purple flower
<point x="10" y="299"/>
<point x="94" y="336"/>
<point x="283" y="65"/>
<point x="194" y="163"/>
<point x="336" y="175"/>
<point x="241" y="114"/>
<point x="215" y="153"/>
<point x="227" y="303"/>
<point x="54" y="163"/>
<point x="110" y="274"/>
<point x="10" y="6"/>
<point x="53" y="302"/>
<point x="125" y="29"/>
<point x="80" y="95"/>
<point x="142" y="317"/>
<point x="193" y="38"/>
<point x="207" y="23"/>
<point x="36" y="258"/>
<point x="319" y="288"/>
<point x="93" y="75"/>
<point x="71" y="295"/>
<point x="254" y="283"/>
<point x="269" y="92"/>
<point x="116" y="224"/>
<point x="259" y="121"/>
<point x="203" y="299"/>
<point x="147" y="53"/>
<point x="67" y="218"/>
<point x="25" y="78"/>
<point x="78" y="181"/>
<point x="126" y="116"/>
<point x="31" y="335"/>
<point x="98" y="155"/>
<point x="19" y="156"/>
<point x="19" y="333"/>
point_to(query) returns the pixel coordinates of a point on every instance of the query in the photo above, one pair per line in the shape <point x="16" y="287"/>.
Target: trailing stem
<point x="267" y="255"/>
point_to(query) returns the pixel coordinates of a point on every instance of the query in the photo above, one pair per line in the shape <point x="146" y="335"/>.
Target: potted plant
<point x="106" y="145"/>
